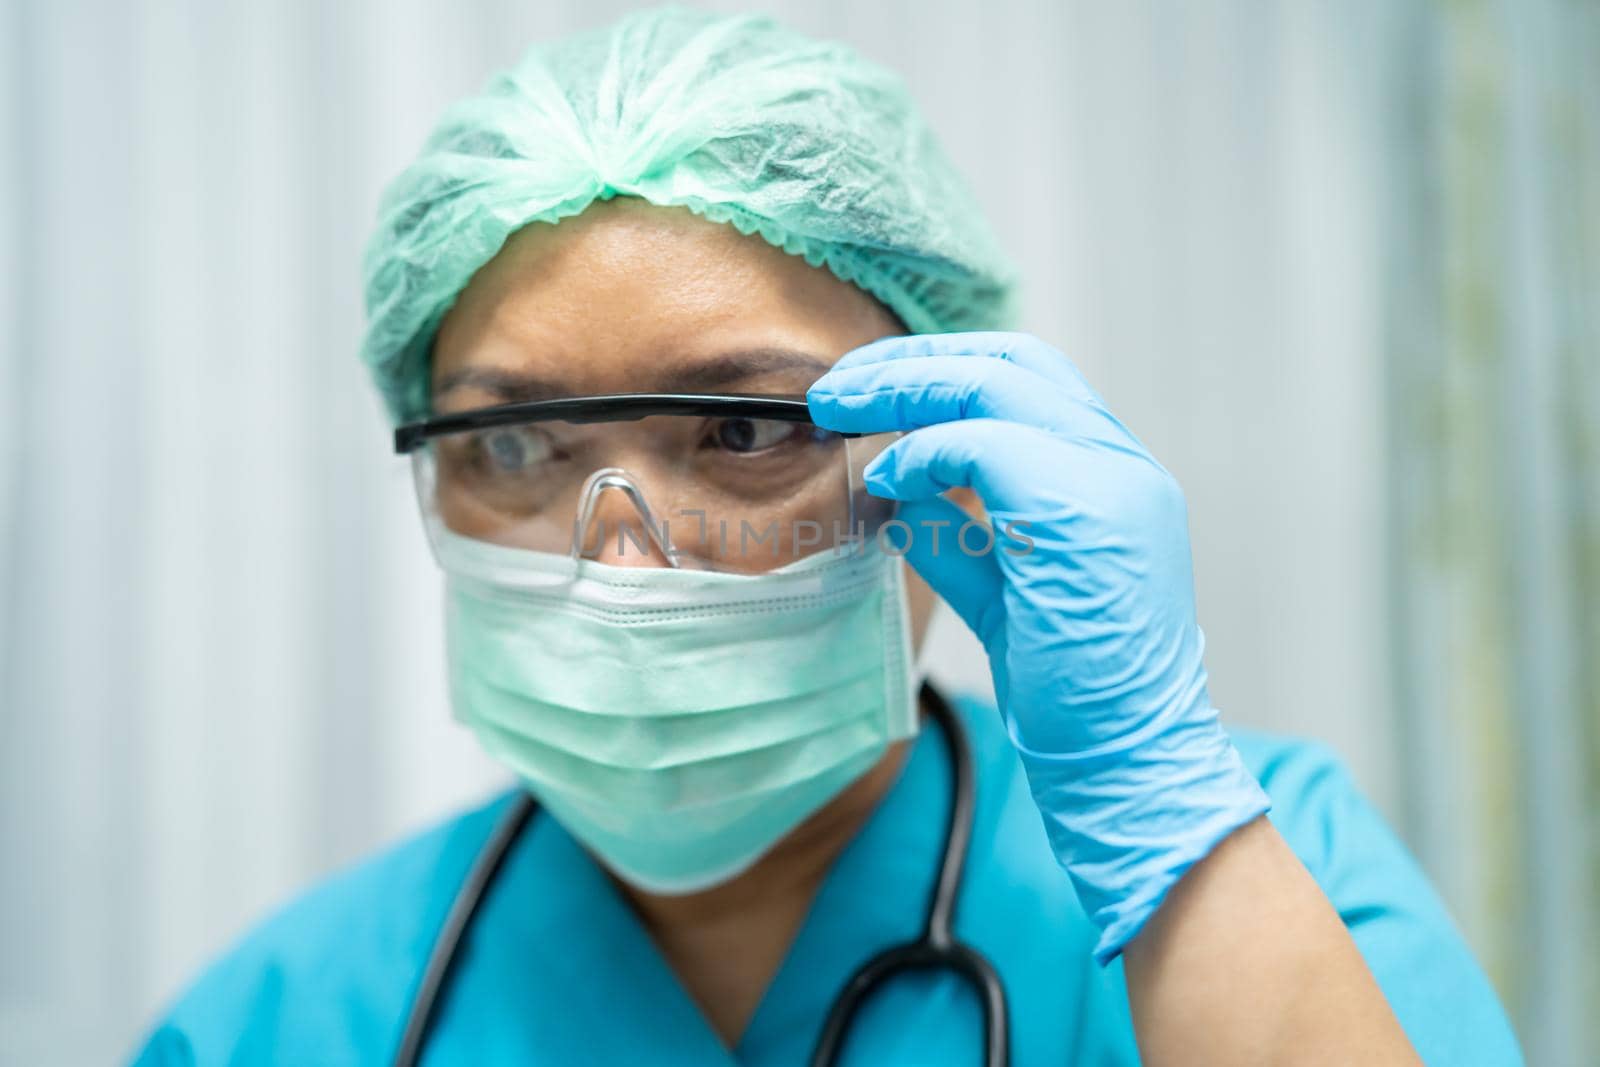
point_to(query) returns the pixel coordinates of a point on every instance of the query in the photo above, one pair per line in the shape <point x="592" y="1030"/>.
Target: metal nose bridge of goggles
<point x="616" y="478"/>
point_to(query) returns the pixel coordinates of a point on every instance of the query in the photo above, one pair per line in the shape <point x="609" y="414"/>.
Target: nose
<point x="615" y="525"/>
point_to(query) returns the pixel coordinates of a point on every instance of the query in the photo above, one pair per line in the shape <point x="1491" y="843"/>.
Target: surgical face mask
<point x="678" y="722"/>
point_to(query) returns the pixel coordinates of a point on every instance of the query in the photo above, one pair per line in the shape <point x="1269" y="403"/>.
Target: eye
<point x="512" y="449"/>
<point x="752" y="435"/>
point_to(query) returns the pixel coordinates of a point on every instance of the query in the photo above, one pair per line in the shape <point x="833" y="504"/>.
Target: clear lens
<point x="732" y="493"/>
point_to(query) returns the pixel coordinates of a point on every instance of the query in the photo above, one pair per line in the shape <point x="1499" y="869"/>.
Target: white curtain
<point x="1492" y="273"/>
<point x="220" y="668"/>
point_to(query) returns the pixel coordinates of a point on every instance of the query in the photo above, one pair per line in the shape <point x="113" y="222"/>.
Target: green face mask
<point x="679" y="723"/>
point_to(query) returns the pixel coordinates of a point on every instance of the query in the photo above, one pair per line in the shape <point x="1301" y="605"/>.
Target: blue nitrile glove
<point x="1090" y="629"/>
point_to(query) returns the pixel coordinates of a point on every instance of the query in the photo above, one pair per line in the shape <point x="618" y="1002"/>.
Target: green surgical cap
<point x="736" y="118"/>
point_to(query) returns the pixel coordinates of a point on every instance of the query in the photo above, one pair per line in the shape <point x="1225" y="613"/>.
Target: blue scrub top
<point x="556" y="968"/>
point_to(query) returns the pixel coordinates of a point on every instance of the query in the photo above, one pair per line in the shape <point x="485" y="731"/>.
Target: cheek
<point x="921" y="600"/>
<point x="968" y="501"/>
<point x="920" y="597"/>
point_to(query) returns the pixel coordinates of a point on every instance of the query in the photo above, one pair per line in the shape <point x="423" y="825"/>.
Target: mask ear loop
<point x="616" y="478"/>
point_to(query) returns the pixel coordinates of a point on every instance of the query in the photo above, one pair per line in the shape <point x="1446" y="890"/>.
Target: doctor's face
<point x="630" y="297"/>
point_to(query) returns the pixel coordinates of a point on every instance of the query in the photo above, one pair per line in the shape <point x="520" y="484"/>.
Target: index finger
<point x="1023" y="349"/>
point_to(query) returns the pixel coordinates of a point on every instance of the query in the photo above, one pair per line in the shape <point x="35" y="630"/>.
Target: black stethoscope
<point x="935" y="949"/>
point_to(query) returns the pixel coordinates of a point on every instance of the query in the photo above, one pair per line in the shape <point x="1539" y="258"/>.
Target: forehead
<point x="629" y="295"/>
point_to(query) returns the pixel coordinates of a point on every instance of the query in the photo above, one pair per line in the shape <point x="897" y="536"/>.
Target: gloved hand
<point x="1090" y="629"/>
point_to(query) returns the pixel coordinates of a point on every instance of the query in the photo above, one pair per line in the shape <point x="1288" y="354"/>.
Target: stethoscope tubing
<point x="442" y="958"/>
<point x="935" y="948"/>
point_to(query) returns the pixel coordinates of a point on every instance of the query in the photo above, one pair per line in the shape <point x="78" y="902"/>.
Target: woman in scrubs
<point x="740" y="797"/>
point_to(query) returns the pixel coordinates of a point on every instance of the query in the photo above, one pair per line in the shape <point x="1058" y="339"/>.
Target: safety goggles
<point x="736" y="482"/>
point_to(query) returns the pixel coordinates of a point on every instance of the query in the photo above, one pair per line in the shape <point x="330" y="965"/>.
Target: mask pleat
<point x="655" y="743"/>
<point x="745" y="772"/>
<point x="662" y="670"/>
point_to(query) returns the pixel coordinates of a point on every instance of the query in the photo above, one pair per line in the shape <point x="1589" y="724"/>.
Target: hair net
<point x="735" y="118"/>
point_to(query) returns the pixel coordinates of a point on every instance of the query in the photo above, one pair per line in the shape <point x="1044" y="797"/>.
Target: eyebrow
<point x="509" y="386"/>
<point x="730" y="367"/>
<point x="719" y="371"/>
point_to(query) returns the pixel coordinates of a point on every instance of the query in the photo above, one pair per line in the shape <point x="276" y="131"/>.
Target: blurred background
<point x="1337" y="263"/>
